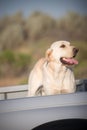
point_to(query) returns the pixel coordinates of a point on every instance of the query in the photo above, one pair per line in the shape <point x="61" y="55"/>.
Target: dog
<point x="53" y="74"/>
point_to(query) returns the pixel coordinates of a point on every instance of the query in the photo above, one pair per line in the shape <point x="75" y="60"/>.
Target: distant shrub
<point x="11" y="37"/>
<point x="21" y="65"/>
<point x="7" y="57"/>
<point x="14" y="64"/>
<point x="22" y="60"/>
<point x="39" y="24"/>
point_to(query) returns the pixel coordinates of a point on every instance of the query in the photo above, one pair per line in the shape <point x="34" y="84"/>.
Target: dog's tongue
<point x="71" y="61"/>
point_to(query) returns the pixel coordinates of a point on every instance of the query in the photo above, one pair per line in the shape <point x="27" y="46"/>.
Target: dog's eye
<point x="62" y="46"/>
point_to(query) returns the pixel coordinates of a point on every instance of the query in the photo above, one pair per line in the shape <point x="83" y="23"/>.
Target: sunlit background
<point x="28" y="28"/>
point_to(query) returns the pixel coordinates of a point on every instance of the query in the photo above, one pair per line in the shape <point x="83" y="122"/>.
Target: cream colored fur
<point x="49" y="76"/>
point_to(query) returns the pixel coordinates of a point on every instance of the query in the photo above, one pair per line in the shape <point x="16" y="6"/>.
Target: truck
<point x="62" y="111"/>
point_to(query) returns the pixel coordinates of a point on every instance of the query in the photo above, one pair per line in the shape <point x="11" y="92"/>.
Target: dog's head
<point x="62" y="52"/>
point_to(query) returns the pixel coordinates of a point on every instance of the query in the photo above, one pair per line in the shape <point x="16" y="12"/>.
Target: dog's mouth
<point x="68" y="61"/>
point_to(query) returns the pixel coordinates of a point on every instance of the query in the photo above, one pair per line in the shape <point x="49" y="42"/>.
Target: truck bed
<point x="26" y="113"/>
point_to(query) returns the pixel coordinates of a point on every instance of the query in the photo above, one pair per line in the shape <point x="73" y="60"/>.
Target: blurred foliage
<point x="24" y="40"/>
<point x="14" y="30"/>
<point x="7" y="57"/>
<point x="11" y="37"/>
<point x="39" y="24"/>
<point x="13" y="63"/>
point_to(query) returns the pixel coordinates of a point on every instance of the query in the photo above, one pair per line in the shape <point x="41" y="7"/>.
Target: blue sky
<point x="55" y="8"/>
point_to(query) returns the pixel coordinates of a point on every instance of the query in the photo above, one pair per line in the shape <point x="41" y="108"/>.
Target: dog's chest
<point x="63" y="78"/>
<point x="58" y="75"/>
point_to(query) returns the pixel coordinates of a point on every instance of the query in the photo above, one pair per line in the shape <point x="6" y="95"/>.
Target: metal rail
<point x="20" y="91"/>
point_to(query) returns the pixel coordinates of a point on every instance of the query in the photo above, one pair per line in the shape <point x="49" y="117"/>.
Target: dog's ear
<point x="48" y="54"/>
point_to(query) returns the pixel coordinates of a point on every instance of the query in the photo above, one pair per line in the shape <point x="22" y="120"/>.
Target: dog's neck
<point x="60" y="75"/>
<point x="57" y="69"/>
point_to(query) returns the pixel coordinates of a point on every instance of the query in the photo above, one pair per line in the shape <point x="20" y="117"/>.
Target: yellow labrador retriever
<point x="53" y="74"/>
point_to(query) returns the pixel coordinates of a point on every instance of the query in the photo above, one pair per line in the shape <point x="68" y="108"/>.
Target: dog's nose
<point x="75" y="50"/>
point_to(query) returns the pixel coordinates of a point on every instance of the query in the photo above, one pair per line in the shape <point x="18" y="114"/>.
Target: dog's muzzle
<point x="71" y="60"/>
